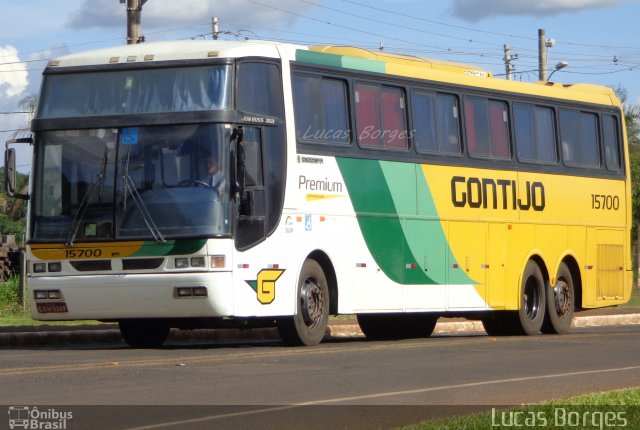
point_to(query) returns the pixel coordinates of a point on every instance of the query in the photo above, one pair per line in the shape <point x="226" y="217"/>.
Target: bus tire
<point x="560" y="303"/>
<point x="143" y="334"/>
<point x="309" y="324"/>
<point x="397" y="326"/>
<point x="532" y="300"/>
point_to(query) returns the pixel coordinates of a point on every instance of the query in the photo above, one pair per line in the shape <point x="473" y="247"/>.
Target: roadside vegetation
<point x="613" y="409"/>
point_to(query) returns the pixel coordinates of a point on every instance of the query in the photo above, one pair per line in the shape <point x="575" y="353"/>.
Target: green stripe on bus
<point x="399" y="221"/>
<point x="319" y="58"/>
<point x="363" y="64"/>
<point x="334" y="60"/>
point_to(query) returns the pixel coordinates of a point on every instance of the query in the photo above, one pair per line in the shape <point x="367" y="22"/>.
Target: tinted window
<point x="448" y="123"/>
<point x="174" y="89"/>
<point x="320" y="109"/>
<point x="260" y="92"/>
<point x="611" y="142"/>
<point x="579" y="134"/>
<point x="261" y="89"/>
<point x="435" y="123"/>
<point x="535" y="133"/>
<point x="487" y="126"/>
<point x="380" y="116"/>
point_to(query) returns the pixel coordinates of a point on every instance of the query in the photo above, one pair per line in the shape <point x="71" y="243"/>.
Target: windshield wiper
<point x="96" y="185"/>
<point x="130" y="188"/>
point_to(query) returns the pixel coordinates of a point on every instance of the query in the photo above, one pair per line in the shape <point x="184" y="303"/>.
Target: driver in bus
<point x="215" y="178"/>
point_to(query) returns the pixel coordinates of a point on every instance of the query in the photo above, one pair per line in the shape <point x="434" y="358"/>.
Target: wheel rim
<point x="312" y="303"/>
<point x="562" y="298"/>
<point x="532" y="298"/>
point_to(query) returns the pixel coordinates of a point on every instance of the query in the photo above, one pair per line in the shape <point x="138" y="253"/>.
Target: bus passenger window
<point x="487" y="125"/>
<point x="320" y="106"/>
<point x="611" y="142"/>
<point x="448" y="123"/>
<point x="380" y="116"/>
<point x="579" y="132"/>
<point x="424" y="122"/>
<point x="436" y="128"/>
<point x="534" y="133"/>
<point x="368" y="115"/>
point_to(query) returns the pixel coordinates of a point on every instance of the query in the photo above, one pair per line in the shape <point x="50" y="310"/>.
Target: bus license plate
<point x="51" y="308"/>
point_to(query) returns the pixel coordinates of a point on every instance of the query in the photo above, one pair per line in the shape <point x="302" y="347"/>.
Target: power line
<point x="508" y="35"/>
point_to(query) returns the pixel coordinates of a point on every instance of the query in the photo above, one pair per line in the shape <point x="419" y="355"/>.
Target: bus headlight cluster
<point x="217" y="262"/>
<point x="55" y="266"/>
<point x="47" y="294"/>
<point x="185" y="262"/>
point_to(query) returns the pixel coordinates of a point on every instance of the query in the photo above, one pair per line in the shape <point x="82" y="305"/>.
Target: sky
<point x="597" y="38"/>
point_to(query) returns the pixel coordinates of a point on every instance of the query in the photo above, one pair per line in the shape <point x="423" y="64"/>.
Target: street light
<point x="561" y="65"/>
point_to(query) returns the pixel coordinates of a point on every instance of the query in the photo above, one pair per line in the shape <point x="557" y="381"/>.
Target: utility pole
<point x="134" y="12"/>
<point x="507" y="61"/>
<point x="214" y="27"/>
<point x="542" y="55"/>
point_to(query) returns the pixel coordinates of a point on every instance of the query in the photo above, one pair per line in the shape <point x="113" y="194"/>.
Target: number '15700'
<point x="605" y="202"/>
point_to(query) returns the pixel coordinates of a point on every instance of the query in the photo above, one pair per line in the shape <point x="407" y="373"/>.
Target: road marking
<point x="465" y="385"/>
<point x="181" y="423"/>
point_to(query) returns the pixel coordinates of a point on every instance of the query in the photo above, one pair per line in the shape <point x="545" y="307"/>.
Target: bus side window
<point x="535" y="133"/>
<point x="487" y="125"/>
<point x="611" y="142"/>
<point x="579" y="132"/>
<point x="259" y="92"/>
<point x="381" y="116"/>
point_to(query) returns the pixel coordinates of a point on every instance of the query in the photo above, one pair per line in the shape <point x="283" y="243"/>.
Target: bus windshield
<point x="152" y="183"/>
<point x="140" y="91"/>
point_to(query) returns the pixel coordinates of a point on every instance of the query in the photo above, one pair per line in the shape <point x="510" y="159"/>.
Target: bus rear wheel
<point x="144" y="334"/>
<point x="309" y="324"/>
<point x="560" y="303"/>
<point x="397" y="326"/>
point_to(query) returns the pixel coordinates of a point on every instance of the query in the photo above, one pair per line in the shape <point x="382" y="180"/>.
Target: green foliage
<point x="632" y="122"/>
<point x="580" y="412"/>
<point x="10" y="296"/>
<point x="13" y="211"/>
<point x="634" y="163"/>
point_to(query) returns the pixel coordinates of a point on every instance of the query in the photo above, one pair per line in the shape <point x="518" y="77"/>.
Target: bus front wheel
<point x="532" y="300"/>
<point x="144" y="334"/>
<point x="308" y="325"/>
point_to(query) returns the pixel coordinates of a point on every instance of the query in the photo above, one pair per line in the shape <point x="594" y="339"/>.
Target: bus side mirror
<point x="10" y="171"/>
<point x="10" y="168"/>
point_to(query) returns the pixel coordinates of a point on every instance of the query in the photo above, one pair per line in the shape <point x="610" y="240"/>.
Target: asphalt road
<point x="350" y="383"/>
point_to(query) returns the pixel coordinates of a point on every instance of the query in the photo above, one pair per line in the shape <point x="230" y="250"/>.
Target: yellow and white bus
<point x="212" y="184"/>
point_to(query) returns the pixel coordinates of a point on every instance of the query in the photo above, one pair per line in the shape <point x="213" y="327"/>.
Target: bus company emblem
<point x="496" y="194"/>
<point x="265" y="285"/>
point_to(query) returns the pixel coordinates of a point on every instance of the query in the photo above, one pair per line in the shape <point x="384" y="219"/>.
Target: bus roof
<point x="337" y="56"/>
<point x="173" y="51"/>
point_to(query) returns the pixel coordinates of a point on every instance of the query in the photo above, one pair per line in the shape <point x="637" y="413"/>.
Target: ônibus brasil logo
<point x="32" y="418"/>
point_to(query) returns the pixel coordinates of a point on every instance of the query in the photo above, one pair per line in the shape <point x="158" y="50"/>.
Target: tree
<point x="631" y="116"/>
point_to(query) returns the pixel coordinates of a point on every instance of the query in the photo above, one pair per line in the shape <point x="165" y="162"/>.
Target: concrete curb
<point x="108" y="333"/>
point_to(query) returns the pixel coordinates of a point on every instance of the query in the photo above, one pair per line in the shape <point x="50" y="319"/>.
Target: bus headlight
<point x="197" y="261"/>
<point x="182" y="263"/>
